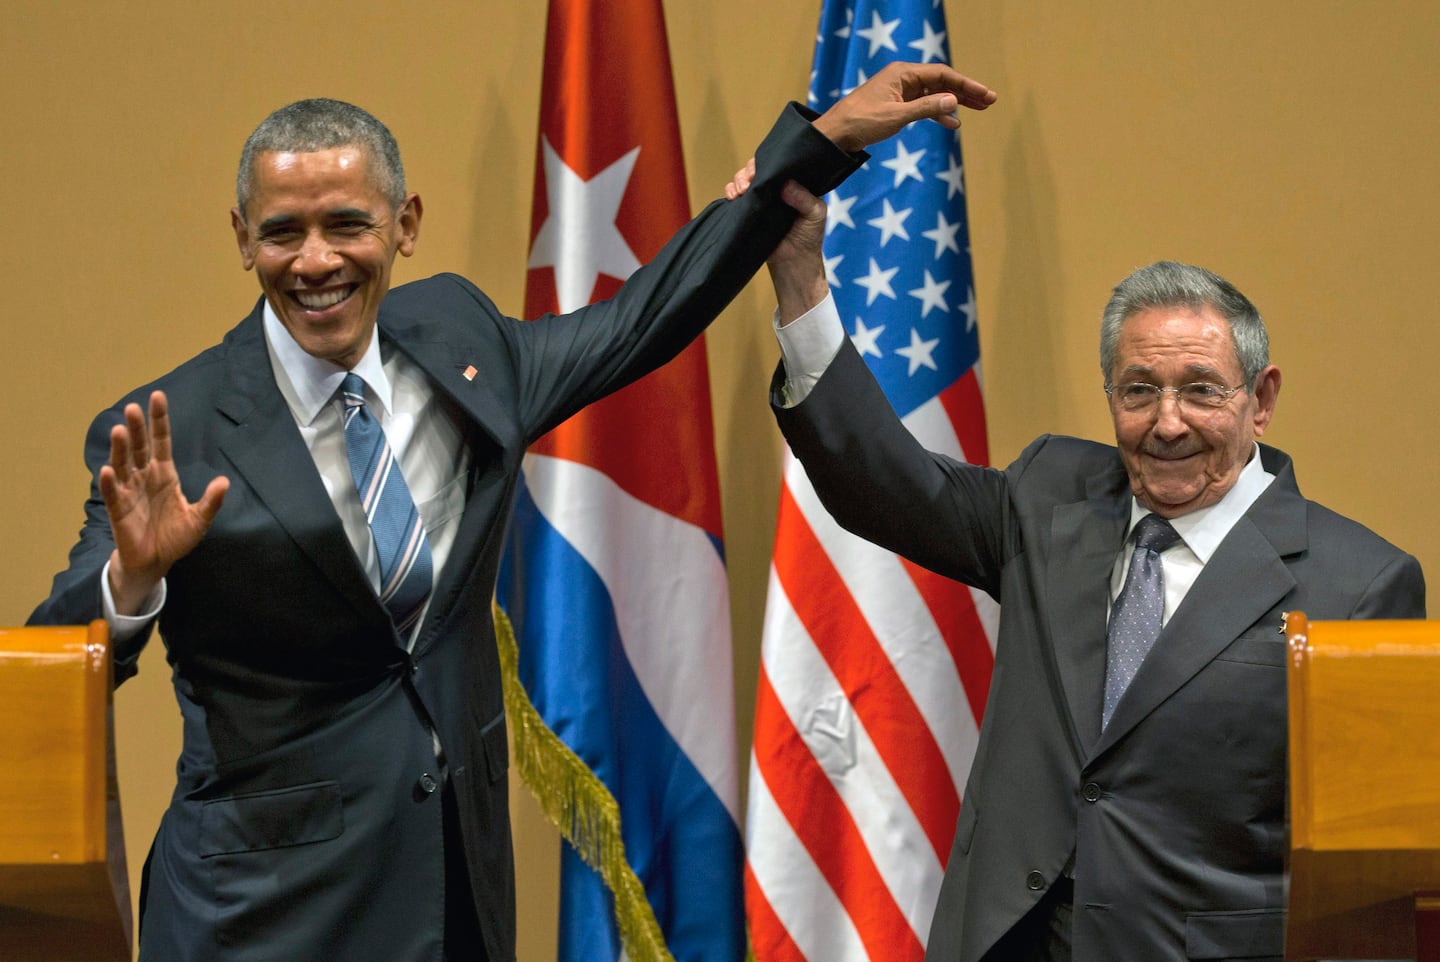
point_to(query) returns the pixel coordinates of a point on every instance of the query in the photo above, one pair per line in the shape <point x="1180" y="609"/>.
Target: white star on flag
<point x="904" y="163"/>
<point x="932" y="294"/>
<point x="830" y="264"/>
<point x="879" y="33"/>
<point x="877" y="282"/>
<point x="918" y="353"/>
<point x="838" y="211"/>
<point x="931" y="46"/>
<point x="866" y="339"/>
<point x="943" y="235"/>
<point x="579" y="237"/>
<point x="891" y="223"/>
<point x="968" y="309"/>
<point x="954" y="177"/>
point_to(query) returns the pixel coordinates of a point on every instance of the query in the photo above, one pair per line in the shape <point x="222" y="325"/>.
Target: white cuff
<point x="808" y="344"/>
<point x="124" y="627"/>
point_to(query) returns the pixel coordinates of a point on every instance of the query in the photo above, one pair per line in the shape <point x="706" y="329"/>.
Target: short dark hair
<point x="1172" y="284"/>
<point x="321" y="124"/>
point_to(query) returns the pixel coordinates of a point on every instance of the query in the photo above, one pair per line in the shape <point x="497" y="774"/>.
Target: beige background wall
<point x="1291" y="145"/>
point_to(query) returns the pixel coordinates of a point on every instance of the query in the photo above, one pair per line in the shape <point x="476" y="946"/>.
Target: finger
<point x="920" y="80"/>
<point x="119" y="452"/>
<point x="805" y="203"/>
<point x="138" y="436"/>
<point x="110" y="494"/>
<point x="209" y="504"/>
<point x="159" y="426"/>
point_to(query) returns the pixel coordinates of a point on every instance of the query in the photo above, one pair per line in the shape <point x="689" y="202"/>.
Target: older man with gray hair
<point x="1127" y="799"/>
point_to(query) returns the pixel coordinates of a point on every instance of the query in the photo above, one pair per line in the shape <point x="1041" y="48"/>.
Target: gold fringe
<point x="574" y="798"/>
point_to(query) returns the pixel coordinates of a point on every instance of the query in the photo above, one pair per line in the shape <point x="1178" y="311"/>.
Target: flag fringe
<point x="578" y="803"/>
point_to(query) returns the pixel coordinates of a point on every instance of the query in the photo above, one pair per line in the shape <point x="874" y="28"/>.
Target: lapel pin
<point x="470" y="372"/>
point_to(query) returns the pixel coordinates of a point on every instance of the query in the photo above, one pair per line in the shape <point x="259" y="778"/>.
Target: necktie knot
<point x="1154" y="533"/>
<point x="352" y="392"/>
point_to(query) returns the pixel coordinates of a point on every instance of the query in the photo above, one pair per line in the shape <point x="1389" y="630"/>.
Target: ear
<point x="242" y="238"/>
<point x="409" y="220"/>
<point x="1267" y="390"/>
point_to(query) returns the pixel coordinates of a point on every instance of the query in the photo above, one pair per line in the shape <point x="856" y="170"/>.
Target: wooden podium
<point x="64" y="892"/>
<point x="1364" y="789"/>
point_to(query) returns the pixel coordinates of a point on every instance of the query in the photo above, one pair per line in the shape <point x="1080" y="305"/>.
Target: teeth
<point x="319" y="300"/>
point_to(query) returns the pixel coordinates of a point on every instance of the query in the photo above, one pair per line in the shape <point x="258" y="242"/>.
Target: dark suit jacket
<point x="304" y="823"/>
<point x="1175" y="815"/>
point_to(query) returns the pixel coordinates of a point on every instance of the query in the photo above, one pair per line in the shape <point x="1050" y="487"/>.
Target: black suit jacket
<point x="1175" y="814"/>
<point x="305" y="822"/>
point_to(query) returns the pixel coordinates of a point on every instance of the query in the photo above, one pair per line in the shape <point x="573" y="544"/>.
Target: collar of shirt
<point x="308" y="383"/>
<point x="1203" y="529"/>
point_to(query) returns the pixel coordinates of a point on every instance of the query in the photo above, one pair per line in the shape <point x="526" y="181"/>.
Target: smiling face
<point x="1179" y="458"/>
<point x="321" y="236"/>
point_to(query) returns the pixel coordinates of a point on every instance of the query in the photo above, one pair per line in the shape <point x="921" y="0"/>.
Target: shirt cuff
<point x="125" y="627"/>
<point x="808" y="344"/>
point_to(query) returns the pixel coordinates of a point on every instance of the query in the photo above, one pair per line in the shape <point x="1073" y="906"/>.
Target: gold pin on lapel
<point x="470" y="372"/>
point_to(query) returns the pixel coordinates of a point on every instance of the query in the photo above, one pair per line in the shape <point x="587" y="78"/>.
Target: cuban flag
<point x="614" y="576"/>
<point x="874" y="672"/>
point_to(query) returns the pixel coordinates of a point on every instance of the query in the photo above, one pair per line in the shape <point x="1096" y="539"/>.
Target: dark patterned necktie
<point x="400" y="543"/>
<point x="1135" y="618"/>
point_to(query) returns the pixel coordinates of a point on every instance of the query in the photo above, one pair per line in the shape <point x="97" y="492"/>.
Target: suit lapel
<point x="458" y="371"/>
<point x="1085" y="537"/>
<point x="1244" y="579"/>
<point x="260" y="439"/>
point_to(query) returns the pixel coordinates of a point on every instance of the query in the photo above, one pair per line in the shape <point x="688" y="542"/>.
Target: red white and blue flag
<point x="874" y="672"/>
<point x="615" y="577"/>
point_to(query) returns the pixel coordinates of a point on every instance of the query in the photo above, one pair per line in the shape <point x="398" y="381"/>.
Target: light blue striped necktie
<point x="400" y="542"/>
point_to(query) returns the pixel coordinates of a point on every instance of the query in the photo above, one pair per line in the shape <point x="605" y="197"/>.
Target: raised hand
<point x="797" y="266"/>
<point x="900" y="94"/>
<point x="153" y="524"/>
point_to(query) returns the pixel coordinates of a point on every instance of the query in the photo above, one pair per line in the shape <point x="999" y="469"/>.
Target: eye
<point x="1137" y="391"/>
<point x="1204" y="393"/>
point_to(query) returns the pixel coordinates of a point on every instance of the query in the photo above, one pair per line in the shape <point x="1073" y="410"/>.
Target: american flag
<point x="874" y="671"/>
<point x="615" y="575"/>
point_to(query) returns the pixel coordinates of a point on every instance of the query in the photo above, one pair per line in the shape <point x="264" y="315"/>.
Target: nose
<point x="317" y="257"/>
<point x="1169" y="424"/>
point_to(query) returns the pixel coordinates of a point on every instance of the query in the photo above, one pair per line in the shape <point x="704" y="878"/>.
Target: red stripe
<point x="966" y="408"/>
<point x="769" y="941"/>
<point x="828" y="831"/>
<point x="954" y="612"/>
<point x="880" y="699"/>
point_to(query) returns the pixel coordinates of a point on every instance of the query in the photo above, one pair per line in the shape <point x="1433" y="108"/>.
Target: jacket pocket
<point x="273" y="819"/>
<point x="1242" y="934"/>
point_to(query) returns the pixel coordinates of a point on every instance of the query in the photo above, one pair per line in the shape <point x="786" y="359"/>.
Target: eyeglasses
<point x="1137" y="396"/>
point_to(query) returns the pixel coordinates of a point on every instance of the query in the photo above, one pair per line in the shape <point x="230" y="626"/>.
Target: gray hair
<point x="1170" y="284"/>
<point x="321" y="124"/>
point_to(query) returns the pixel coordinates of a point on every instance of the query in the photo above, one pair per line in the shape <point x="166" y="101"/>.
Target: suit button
<point x="426" y="784"/>
<point x="1034" y="881"/>
<point x="1091" y="792"/>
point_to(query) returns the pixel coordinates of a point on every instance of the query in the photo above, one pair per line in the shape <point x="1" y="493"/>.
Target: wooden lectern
<point x="1364" y="789"/>
<point x="64" y="893"/>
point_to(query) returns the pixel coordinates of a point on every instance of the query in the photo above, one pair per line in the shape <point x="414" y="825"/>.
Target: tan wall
<point x="1291" y="145"/>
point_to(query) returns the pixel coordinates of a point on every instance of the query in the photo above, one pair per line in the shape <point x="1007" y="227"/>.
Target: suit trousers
<point x="462" y="926"/>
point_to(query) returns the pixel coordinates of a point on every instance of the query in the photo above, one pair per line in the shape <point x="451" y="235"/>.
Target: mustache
<point x="1170" y="450"/>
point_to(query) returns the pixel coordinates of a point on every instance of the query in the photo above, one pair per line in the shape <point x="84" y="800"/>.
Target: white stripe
<point x="794" y="887"/>
<point x="669" y="589"/>
<point x="902" y="624"/>
<point x="835" y="735"/>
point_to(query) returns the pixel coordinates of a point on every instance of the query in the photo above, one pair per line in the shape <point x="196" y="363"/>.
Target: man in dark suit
<point x="1124" y="804"/>
<point x="342" y="787"/>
